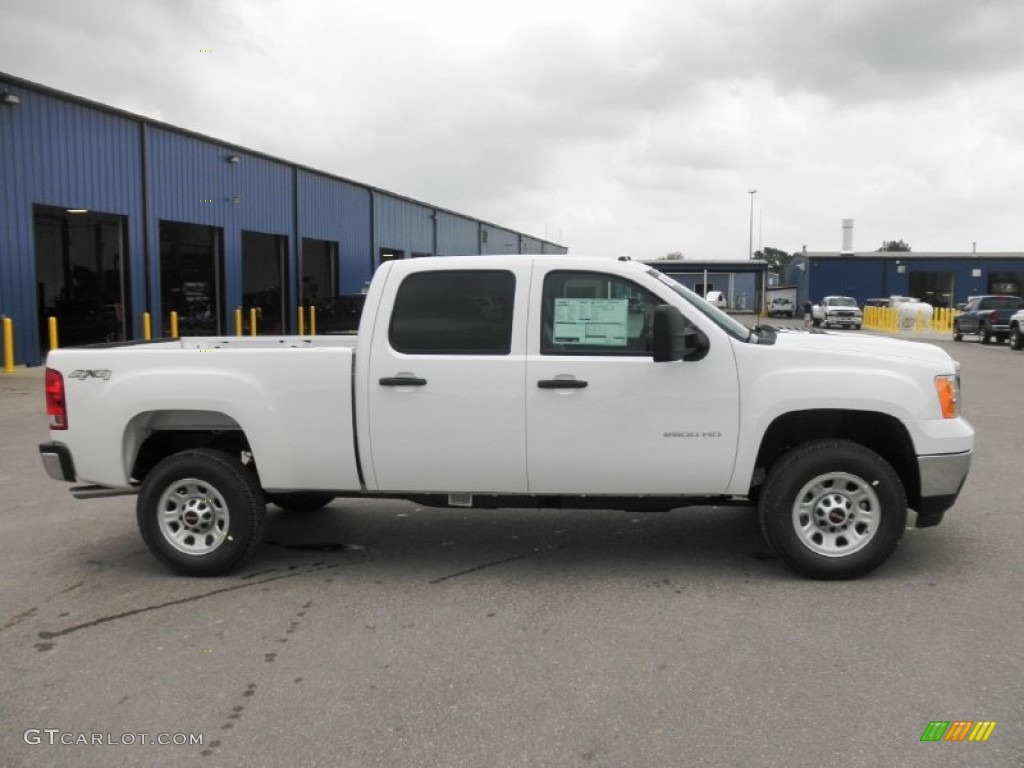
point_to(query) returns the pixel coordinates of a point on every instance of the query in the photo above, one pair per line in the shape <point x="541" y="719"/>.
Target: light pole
<point x="750" y="249"/>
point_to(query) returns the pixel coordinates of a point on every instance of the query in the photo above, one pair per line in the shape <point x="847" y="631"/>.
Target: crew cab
<point x="988" y="317"/>
<point x="547" y="381"/>
<point x="841" y="311"/>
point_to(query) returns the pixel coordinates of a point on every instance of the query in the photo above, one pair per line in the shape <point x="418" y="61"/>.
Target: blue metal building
<point x="941" y="279"/>
<point x="105" y="215"/>
<point x="742" y="282"/>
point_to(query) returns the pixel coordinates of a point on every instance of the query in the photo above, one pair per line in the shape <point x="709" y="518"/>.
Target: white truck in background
<point x="511" y="382"/>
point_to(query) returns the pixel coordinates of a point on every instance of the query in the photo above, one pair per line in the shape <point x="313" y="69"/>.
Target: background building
<point x="742" y="282"/>
<point x="105" y="215"/>
<point x="941" y="279"/>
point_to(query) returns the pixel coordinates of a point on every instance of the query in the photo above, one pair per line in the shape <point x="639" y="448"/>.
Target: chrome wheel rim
<point x="193" y="516"/>
<point x="836" y="514"/>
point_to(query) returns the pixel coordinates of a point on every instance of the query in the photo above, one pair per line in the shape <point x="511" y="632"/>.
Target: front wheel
<point x="201" y="512"/>
<point x="1016" y="339"/>
<point x="957" y="334"/>
<point x="833" y="509"/>
<point x="986" y="335"/>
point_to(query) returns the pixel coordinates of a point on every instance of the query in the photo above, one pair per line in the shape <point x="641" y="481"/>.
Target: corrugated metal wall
<point x="457" y="235"/>
<point x="60" y="153"/>
<point x="495" y="240"/>
<point x="402" y="226"/>
<point x="58" y="150"/>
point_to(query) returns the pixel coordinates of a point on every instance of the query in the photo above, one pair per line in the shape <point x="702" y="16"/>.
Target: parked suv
<point x="781" y="306"/>
<point x="988" y="317"/>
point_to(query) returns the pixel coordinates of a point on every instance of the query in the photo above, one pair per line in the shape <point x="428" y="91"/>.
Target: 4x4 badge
<point x="101" y="373"/>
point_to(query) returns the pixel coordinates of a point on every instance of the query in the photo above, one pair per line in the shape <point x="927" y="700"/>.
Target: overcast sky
<point x="616" y="128"/>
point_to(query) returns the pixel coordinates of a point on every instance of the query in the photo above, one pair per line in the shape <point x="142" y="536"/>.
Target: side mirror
<point x="675" y="339"/>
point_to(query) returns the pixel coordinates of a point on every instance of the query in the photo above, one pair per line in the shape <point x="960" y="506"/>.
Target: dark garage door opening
<point x="192" y="278"/>
<point x="81" y="275"/>
<point x="264" y="282"/>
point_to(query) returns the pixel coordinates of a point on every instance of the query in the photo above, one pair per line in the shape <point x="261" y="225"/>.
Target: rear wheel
<point x="301" y="501"/>
<point x="986" y="334"/>
<point x="201" y="512"/>
<point x="833" y="509"/>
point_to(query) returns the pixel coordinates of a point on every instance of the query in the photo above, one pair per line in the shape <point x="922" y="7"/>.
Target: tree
<point x="777" y="260"/>
<point x="674" y="256"/>
<point x="894" y="245"/>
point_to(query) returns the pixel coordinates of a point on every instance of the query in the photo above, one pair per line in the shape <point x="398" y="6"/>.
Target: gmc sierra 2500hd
<point x="519" y="381"/>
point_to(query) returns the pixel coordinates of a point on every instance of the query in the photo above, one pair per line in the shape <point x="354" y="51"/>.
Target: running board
<point x="100" y="491"/>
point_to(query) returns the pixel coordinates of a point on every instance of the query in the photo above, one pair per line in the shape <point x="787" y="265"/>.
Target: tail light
<point x="993" y="317"/>
<point x="56" y="405"/>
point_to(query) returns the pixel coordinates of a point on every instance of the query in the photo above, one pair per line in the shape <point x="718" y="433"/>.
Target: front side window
<point x="454" y="312"/>
<point x="588" y="313"/>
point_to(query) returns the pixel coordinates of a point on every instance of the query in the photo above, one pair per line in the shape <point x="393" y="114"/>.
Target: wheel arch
<point x="151" y="436"/>
<point x="880" y="432"/>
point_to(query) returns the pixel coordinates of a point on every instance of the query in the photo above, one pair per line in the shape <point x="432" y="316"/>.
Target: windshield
<point x="840" y="301"/>
<point x="718" y="317"/>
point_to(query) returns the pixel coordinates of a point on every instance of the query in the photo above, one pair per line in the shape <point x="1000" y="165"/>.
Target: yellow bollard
<point x="8" y="345"/>
<point x="302" y="321"/>
<point x="52" y="327"/>
<point x="147" y="326"/>
<point x="918" y="324"/>
<point x="252" y="321"/>
<point x="174" y="325"/>
<point x="312" y="319"/>
<point x="238" y="321"/>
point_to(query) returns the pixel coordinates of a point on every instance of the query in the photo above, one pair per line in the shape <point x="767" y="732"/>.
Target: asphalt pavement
<point x="381" y="633"/>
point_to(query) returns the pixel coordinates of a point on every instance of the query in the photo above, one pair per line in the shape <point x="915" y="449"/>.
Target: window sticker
<point x="594" y="322"/>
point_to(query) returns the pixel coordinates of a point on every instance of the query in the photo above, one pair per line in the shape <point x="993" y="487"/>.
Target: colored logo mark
<point x="958" y="730"/>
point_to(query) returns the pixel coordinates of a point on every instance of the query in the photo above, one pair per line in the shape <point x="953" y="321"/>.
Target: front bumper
<point x="57" y="461"/>
<point x="942" y="478"/>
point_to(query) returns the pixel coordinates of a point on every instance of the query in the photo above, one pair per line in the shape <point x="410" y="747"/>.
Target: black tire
<point x="957" y="335"/>
<point x="833" y="509"/>
<point x="301" y="501"/>
<point x="985" y="333"/>
<point x="201" y="512"/>
<point x="856" y="327"/>
<point x="1016" y="339"/>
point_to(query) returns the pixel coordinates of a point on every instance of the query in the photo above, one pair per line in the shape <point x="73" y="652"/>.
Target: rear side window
<point x="454" y="312"/>
<point x="1001" y="302"/>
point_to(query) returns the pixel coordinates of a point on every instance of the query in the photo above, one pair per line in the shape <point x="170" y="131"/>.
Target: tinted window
<point x="454" y="312"/>
<point x="1000" y="302"/>
<point x="587" y="313"/>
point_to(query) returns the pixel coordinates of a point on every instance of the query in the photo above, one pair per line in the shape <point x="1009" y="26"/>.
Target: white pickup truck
<point x="512" y="382"/>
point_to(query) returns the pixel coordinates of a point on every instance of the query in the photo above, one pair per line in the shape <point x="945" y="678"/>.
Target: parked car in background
<point x="988" y="317"/>
<point x="1016" y="334"/>
<point x="841" y="311"/>
<point x="718" y="299"/>
<point x="781" y="306"/>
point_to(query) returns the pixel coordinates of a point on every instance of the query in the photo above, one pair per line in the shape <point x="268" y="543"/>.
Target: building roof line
<point x="14" y="80"/>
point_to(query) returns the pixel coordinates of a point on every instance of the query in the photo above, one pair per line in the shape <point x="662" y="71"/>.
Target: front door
<point x="602" y="417"/>
<point x="445" y="387"/>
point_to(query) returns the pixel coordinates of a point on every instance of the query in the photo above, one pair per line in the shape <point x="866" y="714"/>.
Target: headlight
<point x="948" y="390"/>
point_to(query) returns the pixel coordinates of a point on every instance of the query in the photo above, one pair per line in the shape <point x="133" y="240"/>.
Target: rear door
<point x="602" y="416"/>
<point x="445" y="395"/>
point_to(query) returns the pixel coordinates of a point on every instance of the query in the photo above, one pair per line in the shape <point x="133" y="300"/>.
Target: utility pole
<point x="750" y="248"/>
